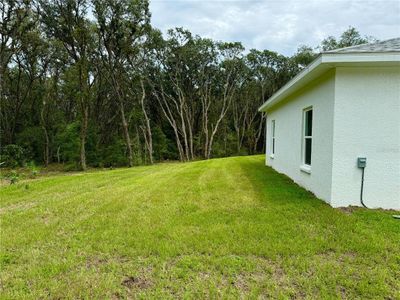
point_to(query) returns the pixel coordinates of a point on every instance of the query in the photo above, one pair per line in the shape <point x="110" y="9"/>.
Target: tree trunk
<point x="125" y="125"/>
<point x="46" y="148"/>
<point x="183" y="125"/>
<point x="126" y="134"/>
<point x="190" y="140"/>
<point x="205" y="106"/>
<point x="46" y="136"/>
<point x="83" y="89"/>
<point x="171" y="120"/>
<point x="179" y="144"/>
<point x="215" y="129"/>
<point x="58" y="154"/>
<point x="147" y="131"/>
<point x="259" y="132"/>
<point x="84" y="126"/>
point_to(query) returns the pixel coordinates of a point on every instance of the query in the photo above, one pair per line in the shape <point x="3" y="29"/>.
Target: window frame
<point x="273" y="138"/>
<point x="306" y="137"/>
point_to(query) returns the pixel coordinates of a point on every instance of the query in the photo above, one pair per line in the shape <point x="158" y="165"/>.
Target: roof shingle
<point x="392" y="45"/>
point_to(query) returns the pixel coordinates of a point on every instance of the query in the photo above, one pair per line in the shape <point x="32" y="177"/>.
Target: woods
<point x="92" y="83"/>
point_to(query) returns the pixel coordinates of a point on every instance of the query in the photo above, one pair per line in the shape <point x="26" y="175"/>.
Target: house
<point x="335" y="127"/>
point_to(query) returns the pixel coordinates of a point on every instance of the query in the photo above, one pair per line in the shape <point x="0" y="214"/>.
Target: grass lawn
<point x="223" y="228"/>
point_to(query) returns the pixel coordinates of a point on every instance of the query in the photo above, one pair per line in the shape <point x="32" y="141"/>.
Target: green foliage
<point x="12" y="177"/>
<point x="304" y="56"/>
<point x="91" y="83"/>
<point x="350" y="37"/>
<point x="114" y="154"/>
<point x="34" y="170"/>
<point x="31" y="140"/>
<point x="68" y="142"/>
<point x="12" y="156"/>
<point x="160" y="145"/>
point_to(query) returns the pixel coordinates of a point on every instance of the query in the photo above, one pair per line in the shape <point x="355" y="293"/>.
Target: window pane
<point x="308" y="123"/>
<point x="273" y="146"/>
<point x="307" y="151"/>
<point x="273" y="128"/>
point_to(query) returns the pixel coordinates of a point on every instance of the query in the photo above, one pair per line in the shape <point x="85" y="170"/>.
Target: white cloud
<point x="278" y="25"/>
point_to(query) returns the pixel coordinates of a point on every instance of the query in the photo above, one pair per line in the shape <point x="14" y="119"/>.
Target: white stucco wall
<point x="288" y="117"/>
<point x="367" y="123"/>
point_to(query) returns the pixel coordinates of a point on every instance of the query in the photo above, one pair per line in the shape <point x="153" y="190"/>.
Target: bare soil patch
<point x="131" y="282"/>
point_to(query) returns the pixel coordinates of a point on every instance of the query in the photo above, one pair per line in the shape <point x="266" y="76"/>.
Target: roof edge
<point x="314" y="64"/>
<point x="324" y="62"/>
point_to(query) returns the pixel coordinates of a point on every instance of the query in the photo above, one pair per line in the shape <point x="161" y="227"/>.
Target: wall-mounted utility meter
<point x="362" y="162"/>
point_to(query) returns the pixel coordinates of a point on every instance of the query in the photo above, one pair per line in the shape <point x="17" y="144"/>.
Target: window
<point x="273" y="136"/>
<point x="307" y="135"/>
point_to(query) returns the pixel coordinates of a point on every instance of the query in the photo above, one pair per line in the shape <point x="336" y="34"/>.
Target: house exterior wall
<point x="288" y="117"/>
<point x="367" y="123"/>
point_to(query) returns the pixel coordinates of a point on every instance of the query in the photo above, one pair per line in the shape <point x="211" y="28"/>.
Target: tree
<point x="350" y="37"/>
<point x="146" y="128"/>
<point x="17" y="22"/>
<point x="266" y="72"/>
<point x="90" y="83"/>
<point x="171" y="86"/>
<point x="66" y="21"/>
<point x="304" y="56"/>
<point x="121" y="27"/>
<point x="229" y="80"/>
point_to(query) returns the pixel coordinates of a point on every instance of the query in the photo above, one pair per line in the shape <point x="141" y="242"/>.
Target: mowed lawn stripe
<point x="223" y="228"/>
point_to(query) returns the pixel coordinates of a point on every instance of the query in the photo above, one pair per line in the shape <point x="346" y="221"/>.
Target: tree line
<point x="92" y="83"/>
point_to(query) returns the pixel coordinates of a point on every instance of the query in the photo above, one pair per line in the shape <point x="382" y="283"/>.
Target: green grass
<point x="223" y="228"/>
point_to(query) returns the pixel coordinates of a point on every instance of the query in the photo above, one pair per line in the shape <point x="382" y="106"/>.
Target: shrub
<point x="12" y="156"/>
<point x="13" y="177"/>
<point x="32" y="167"/>
<point x="32" y="141"/>
<point x="113" y="154"/>
<point x="68" y="142"/>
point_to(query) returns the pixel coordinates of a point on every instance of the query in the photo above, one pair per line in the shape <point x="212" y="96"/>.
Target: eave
<point x="325" y="62"/>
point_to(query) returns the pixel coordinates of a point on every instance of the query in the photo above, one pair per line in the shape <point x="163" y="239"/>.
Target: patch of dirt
<point x="339" y="257"/>
<point x="45" y="219"/>
<point x="348" y="210"/>
<point x="96" y="262"/>
<point x="204" y="275"/>
<point x="266" y="269"/>
<point x="342" y="292"/>
<point x="4" y="182"/>
<point x="348" y="255"/>
<point x="131" y="282"/>
<point x="241" y="283"/>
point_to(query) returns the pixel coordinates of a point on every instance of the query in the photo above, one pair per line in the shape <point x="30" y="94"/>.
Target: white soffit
<point x="325" y="62"/>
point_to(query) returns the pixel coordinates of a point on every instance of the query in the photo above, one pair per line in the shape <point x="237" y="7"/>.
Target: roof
<point x="384" y="53"/>
<point x="391" y="45"/>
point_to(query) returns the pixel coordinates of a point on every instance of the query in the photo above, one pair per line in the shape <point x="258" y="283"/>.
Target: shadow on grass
<point x="278" y="188"/>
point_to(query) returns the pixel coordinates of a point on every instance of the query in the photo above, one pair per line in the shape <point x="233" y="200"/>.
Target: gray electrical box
<point x="362" y="162"/>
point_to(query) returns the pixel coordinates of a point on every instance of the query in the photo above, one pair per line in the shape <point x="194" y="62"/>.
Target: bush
<point x="12" y="156"/>
<point x="160" y="145"/>
<point x="13" y="177"/>
<point x="32" y="167"/>
<point x="68" y="141"/>
<point x="32" y="141"/>
<point x="113" y="154"/>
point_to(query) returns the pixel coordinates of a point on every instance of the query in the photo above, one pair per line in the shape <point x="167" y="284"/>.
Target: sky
<point x="280" y="26"/>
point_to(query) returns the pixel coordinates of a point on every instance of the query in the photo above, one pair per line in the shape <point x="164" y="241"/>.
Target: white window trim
<point x="273" y="139"/>
<point x="305" y="167"/>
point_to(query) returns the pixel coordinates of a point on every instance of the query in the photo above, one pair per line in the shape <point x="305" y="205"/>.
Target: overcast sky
<point x="278" y="25"/>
